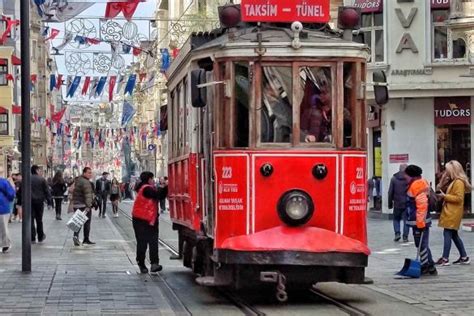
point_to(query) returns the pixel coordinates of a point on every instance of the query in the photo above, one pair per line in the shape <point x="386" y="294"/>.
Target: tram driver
<point x="316" y="119"/>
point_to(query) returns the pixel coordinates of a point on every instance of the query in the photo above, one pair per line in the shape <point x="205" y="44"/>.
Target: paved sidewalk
<point x="93" y="280"/>
<point x="449" y="293"/>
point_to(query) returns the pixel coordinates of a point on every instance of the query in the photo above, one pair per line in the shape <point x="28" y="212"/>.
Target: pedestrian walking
<point x="40" y="194"/>
<point x="115" y="196"/>
<point x="452" y="211"/>
<point x="7" y="195"/>
<point x="397" y="197"/>
<point x="102" y="190"/>
<point x="163" y="184"/>
<point x="18" y="208"/>
<point x="82" y="198"/>
<point x="145" y="221"/>
<point x="58" y="189"/>
<point x="419" y="217"/>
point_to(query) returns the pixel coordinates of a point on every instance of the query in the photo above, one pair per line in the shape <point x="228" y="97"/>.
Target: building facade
<point x="426" y="48"/>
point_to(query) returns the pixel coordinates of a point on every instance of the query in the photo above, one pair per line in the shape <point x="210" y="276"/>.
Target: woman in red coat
<point x="145" y="221"/>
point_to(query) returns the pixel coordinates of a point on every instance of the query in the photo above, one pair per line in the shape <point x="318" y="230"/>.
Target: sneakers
<point x="104" y="216"/>
<point x="75" y="239"/>
<point x="58" y="218"/>
<point x="143" y="268"/>
<point x="405" y="239"/>
<point x="6" y="249"/>
<point x="461" y="260"/>
<point x="88" y="242"/>
<point x="116" y="215"/>
<point x="429" y="271"/>
<point x="443" y="262"/>
<point x="397" y="237"/>
<point x="155" y="268"/>
<point x="42" y="238"/>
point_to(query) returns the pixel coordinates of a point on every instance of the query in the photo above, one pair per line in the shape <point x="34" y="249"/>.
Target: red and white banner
<point x="312" y="11"/>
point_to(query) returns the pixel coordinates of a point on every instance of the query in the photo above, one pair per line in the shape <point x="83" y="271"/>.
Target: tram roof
<point x="321" y="41"/>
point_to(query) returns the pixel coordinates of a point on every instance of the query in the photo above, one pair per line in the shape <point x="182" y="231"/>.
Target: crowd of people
<point x="413" y="201"/>
<point x="84" y="194"/>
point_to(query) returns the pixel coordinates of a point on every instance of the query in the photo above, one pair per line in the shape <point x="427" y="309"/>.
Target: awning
<point x="3" y="62"/>
<point x="16" y="109"/>
<point x="369" y="6"/>
<point x="3" y="110"/>
<point x="440" y="4"/>
<point x="16" y="61"/>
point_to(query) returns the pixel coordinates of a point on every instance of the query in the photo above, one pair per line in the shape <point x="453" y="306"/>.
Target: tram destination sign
<point x="309" y="11"/>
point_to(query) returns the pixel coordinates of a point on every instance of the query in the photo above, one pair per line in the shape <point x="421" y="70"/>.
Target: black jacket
<point x="58" y="189"/>
<point x="397" y="192"/>
<point x="40" y="189"/>
<point x="98" y="187"/>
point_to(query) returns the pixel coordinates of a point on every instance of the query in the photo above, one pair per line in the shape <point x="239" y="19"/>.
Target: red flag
<point x="93" y="41"/>
<point x="142" y="76"/>
<point x="9" y="24"/>
<point x="112" y="81"/>
<point x="85" y="88"/>
<point x="136" y="51"/>
<point x="56" y="117"/>
<point x="10" y="77"/>
<point x="34" y="78"/>
<point x="59" y="83"/>
<point x="175" y="52"/>
<point x="52" y="35"/>
<point x="127" y="8"/>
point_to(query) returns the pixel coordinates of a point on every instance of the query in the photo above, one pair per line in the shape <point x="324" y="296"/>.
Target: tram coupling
<point x="280" y="280"/>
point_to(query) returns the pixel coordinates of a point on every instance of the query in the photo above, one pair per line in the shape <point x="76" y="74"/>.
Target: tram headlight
<point x="295" y="208"/>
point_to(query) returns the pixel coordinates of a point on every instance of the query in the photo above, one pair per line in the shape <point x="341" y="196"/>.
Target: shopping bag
<point x="77" y="220"/>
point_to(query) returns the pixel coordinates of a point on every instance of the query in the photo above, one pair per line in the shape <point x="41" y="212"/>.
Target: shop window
<point x="3" y="72"/>
<point x="447" y="43"/>
<point x="372" y="33"/>
<point x="3" y="122"/>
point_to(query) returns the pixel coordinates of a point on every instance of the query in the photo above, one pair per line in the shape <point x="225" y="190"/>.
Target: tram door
<point x="205" y="141"/>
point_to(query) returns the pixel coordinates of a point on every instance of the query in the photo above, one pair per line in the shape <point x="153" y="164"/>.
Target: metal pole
<point x="25" y="136"/>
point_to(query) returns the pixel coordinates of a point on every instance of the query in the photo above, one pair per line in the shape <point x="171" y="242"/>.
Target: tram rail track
<point x="248" y="308"/>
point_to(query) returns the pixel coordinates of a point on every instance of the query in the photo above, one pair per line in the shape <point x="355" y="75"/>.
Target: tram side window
<point x="242" y="89"/>
<point x="349" y="103"/>
<point x="276" y="113"/>
<point x="316" y="105"/>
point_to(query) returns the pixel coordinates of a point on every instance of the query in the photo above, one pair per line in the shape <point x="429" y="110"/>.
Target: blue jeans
<point x="452" y="234"/>
<point x="425" y="253"/>
<point x="398" y="215"/>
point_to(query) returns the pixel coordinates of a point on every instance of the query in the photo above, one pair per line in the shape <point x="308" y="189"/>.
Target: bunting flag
<point x="74" y="85"/>
<point x="61" y="11"/>
<point x="85" y="88"/>
<point x="52" y="82"/>
<point x="100" y="86"/>
<point x="130" y="84"/>
<point x="165" y="59"/>
<point x="111" y="87"/>
<point x="66" y="40"/>
<point x="93" y="87"/>
<point x="59" y="82"/>
<point x="40" y="6"/>
<point x="127" y="113"/>
<point x="45" y="31"/>
<point x="9" y="24"/>
<point x="120" y="83"/>
<point x="10" y="77"/>
<point x="142" y="77"/>
<point x="127" y="8"/>
<point x="136" y="51"/>
<point x="34" y="78"/>
<point x="54" y="33"/>
<point x="56" y="117"/>
<point x="151" y="81"/>
<point x="68" y="83"/>
<point x="16" y="109"/>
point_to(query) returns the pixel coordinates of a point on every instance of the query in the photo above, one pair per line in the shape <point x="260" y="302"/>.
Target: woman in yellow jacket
<point x="453" y="209"/>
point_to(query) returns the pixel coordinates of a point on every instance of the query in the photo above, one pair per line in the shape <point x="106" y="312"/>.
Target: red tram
<point x="267" y="156"/>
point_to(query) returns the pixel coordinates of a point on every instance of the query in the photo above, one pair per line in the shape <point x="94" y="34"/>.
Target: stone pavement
<point x="94" y="280"/>
<point x="449" y="293"/>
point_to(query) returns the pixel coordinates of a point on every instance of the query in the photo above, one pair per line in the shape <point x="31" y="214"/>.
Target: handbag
<point x="77" y="220"/>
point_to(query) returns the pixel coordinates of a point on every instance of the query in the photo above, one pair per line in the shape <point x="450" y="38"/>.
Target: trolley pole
<point x="25" y="136"/>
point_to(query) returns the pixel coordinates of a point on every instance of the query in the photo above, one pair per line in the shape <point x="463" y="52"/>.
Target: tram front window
<point x="276" y="114"/>
<point x="316" y="105"/>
